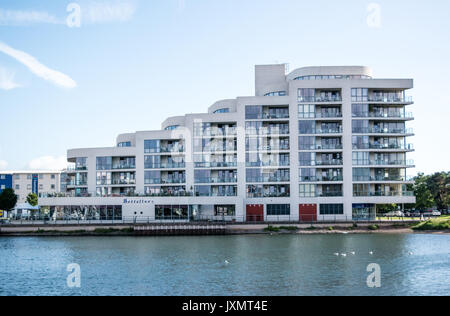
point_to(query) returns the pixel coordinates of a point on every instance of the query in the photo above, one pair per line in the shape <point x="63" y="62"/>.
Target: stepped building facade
<point x="316" y="144"/>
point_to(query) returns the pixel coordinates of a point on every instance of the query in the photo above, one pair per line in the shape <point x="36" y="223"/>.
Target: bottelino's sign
<point x="137" y="201"/>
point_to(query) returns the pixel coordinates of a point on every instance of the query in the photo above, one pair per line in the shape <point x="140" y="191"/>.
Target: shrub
<point x="374" y="227"/>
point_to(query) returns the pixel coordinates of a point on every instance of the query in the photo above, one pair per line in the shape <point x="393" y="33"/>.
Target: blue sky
<point x="138" y="62"/>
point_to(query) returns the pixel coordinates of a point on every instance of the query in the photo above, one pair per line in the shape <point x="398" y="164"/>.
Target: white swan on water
<point x="371" y="253"/>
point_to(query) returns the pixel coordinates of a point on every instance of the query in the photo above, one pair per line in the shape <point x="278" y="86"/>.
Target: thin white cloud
<point x="14" y="17"/>
<point x="107" y="11"/>
<point x="48" y="163"/>
<point x="37" y="68"/>
<point x="3" y="165"/>
<point x="7" y="81"/>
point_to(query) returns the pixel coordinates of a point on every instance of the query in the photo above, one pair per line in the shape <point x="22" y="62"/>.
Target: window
<point x="361" y="158"/>
<point x="172" y="128"/>
<point x="29" y="177"/>
<point x="17" y="177"/>
<point x="361" y="174"/>
<point x="53" y="177"/>
<point x="307" y="143"/>
<point x="306" y="127"/>
<point x="226" y="110"/>
<point x="360" y="95"/>
<point x="29" y="187"/>
<point x="360" y="110"/>
<point x="224" y="210"/>
<point x="307" y="190"/>
<point x="81" y="163"/>
<point x="152" y="162"/>
<point x="278" y="209"/>
<point x="306" y="95"/>
<point x="2" y="177"/>
<point x="104" y="163"/>
<point x="360" y="126"/>
<point x="52" y="186"/>
<point x="124" y="144"/>
<point x="2" y="187"/>
<point x="152" y="177"/>
<point x="17" y="187"/>
<point x="41" y="176"/>
<point x="306" y="111"/>
<point x="253" y="112"/>
<point x="152" y="146"/>
<point x="307" y="159"/>
<point x="360" y="142"/>
<point x="307" y="175"/>
<point x="331" y="209"/>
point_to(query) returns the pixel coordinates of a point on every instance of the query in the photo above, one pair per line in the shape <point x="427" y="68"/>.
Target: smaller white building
<point x="26" y="182"/>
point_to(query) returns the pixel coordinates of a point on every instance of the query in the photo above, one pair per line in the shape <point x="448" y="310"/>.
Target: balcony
<point x="123" y="182"/>
<point x="329" y="130"/>
<point x="172" y="149"/>
<point x="388" y="98"/>
<point x="79" y="183"/>
<point x="322" y="179"/>
<point x="332" y="162"/>
<point x="328" y="115"/>
<point x="403" y="163"/>
<point x="383" y="194"/>
<point x="123" y="166"/>
<point x="330" y="194"/>
<point x="215" y="164"/>
<point x="378" y="130"/>
<point x="329" y="147"/>
<point x="268" y="164"/>
<point x="268" y="179"/>
<point x="408" y="147"/>
<point x="381" y="179"/>
<point x="320" y="99"/>
<point x="399" y="115"/>
<point x="216" y="180"/>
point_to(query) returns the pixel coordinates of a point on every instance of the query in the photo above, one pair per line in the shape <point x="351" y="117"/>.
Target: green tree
<point x="32" y="199"/>
<point x="8" y="200"/>
<point x="438" y="185"/>
<point x="424" y="197"/>
<point x="386" y="208"/>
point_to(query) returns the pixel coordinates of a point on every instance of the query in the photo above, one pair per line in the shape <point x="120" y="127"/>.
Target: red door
<point x="255" y="213"/>
<point x="308" y="212"/>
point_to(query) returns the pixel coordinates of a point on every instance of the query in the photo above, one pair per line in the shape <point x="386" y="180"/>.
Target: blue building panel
<point x="5" y="181"/>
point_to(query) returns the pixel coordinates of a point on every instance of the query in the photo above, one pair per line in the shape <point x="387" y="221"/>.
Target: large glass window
<point x="152" y="177"/>
<point x="360" y="110"/>
<point x="152" y="162"/>
<point x="152" y="146"/>
<point x="253" y="112"/>
<point x="307" y="143"/>
<point x="104" y="163"/>
<point x="361" y="174"/>
<point x="360" y="95"/>
<point x="360" y="126"/>
<point x="361" y="158"/>
<point x="307" y="190"/>
<point x="306" y="95"/>
<point x="331" y="209"/>
<point x="306" y="111"/>
<point x="306" y="127"/>
<point x="278" y="209"/>
<point x="307" y="159"/>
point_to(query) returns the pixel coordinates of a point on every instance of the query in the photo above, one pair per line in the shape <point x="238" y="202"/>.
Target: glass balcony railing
<point x="384" y="115"/>
<point x="322" y="179"/>
<point x="383" y="194"/>
<point x="378" y="130"/>
<point x="332" y="162"/>
<point x="323" y="98"/>
<point x="268" y="179"/>
<point x="379" y="178"/>
<point x="330" y="194"/>
<point x="123" y="182"/>
<point x="329" y="130"/>
<point x="77" y="183"/>
<point x="384" y="146"/>
<point x="215" y="164"/>
<point x="403" y="163"/>
<point x="268" y="164"/>
<point x="216" y="180"/>
<point x="174" y="149"/>
<point x="123" y="166"/>
<point x="328" y="115"/>
<point x="390" y="99"/>
<point x="329" y="147"/>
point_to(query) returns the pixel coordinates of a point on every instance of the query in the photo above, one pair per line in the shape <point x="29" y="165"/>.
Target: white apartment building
<point x="316" y="144"/>
<point x="25" y="182"/>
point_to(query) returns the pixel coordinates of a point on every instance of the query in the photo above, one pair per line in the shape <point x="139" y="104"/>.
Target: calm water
<point x="259" y="265"/>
